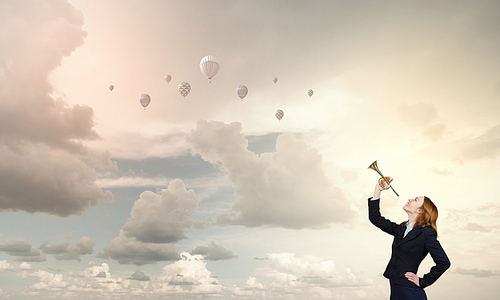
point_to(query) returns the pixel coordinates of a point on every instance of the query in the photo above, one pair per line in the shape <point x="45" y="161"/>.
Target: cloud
<point x="138" y="145"/>
<point x="101" y="274"/>
<point x="49" y="181"/>
<point x="417" y="115"/>
<point x="252" y="288"/>
<point x="481" y="218"/>
<point x="132" y="181"/>
<point x="42" y="138"/>
<point x="44" y="244"/>
<point x="25" y="266"/>
<point x="213" y="252"/>
<point x="139" y="275"/>
<point x="157" y="220"/>
<point x="101" y="161"/>
<point x="48" y="281"/>
<point x="444" y="172"/>
<point x="58" y="248"/>
<point x="5" y="266"/>
<point x="66" y="251"/>
<point x="476" y="227"/>
<point x="349" y="176"/>
<point x="486" y="146"/>
<point x="162" y="217"/>
<point x="95" y="270"/>
<point x="95" y="278"/>
<point x="127" y="250"/>
<point x="286" y="188"/>
<point x="424" y="117"/>
<point x="22" y="250"/>
<point x="434" y="132"/>
<point x="477" y="272"/>
<point x="288" y="271"/>
<point x="189" y="274"/>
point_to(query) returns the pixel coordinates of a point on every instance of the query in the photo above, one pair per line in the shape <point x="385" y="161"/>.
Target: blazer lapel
<point x="411" y="235"/>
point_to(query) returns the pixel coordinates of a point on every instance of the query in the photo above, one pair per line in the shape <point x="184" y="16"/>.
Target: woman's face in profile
<point x="414" y="204"/>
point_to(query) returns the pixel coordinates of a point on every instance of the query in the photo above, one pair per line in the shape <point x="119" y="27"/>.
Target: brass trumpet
<point x="374" y="166"/>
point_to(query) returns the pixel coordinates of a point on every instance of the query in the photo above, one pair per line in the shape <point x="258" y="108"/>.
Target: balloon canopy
<point x="184" y="89"/>
<point x="209" y="66"/>
<point x="145" y="100"/>
<point x="279" y="114"/>
<point x="168" y="78"/>
<point x="310" y="93"/>
<point x="275" y="79"/>
<point x="242" y="91"/>
<point x="111" y="87"/>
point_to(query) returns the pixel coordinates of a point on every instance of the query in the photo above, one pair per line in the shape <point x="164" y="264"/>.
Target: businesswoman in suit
<point x="413" y="239"/>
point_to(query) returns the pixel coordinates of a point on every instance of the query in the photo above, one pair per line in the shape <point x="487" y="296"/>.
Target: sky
<point x="210" y="196"/>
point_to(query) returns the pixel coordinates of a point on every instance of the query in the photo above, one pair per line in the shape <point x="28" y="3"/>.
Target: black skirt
<point x="400" y="292"/>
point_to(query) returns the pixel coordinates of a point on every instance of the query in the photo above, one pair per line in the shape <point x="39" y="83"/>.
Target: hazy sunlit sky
<point x="210" y="196"/>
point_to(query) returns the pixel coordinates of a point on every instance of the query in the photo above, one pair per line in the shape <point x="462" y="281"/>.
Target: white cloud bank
<point x="288" y="270"/>
<point x="41" y="138"/>
<point x="287" y="188"/>
<point x="5" y="266"/>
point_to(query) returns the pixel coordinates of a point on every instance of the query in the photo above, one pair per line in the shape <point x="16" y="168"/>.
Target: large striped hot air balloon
<point x="209" y="66"/>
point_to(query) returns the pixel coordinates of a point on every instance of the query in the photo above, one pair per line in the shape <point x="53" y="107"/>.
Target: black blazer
<point x="408" y="252"/>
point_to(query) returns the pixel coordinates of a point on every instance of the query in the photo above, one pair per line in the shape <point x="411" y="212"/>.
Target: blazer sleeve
<point x="438" y="255"/>
<point x="377" y="219"/>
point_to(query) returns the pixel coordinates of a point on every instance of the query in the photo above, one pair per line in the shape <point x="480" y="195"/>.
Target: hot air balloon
<point x="209" y="66"/>
<point x="275" y="79"/>
<point x="279" y="114"/>
<point x="168" y="78"/>
<point x="145" y="100"/>
<point x="184" y="89"/>
<point x="111" y="87"/>
<point x="242" y="91"/>
<point x="310" y="93"/>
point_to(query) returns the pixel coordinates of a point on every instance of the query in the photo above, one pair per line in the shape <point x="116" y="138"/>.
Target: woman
<point x="413" y="239"/>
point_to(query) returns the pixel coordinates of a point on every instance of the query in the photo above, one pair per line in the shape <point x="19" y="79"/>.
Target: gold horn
<point x="374" y="166"/>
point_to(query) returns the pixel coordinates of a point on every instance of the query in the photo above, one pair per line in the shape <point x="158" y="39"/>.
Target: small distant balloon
<point x="184" y="89"/>
<point x="242" y="91"/>
<point x="145" y="100"/>
<point x="310" y="93"/>
<point x="279" y="114"/>
<point x="209" y="66"/>
<point x="168" y="78"/>
<point x="111" y="87"/>
<point x="275" y="79"/>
